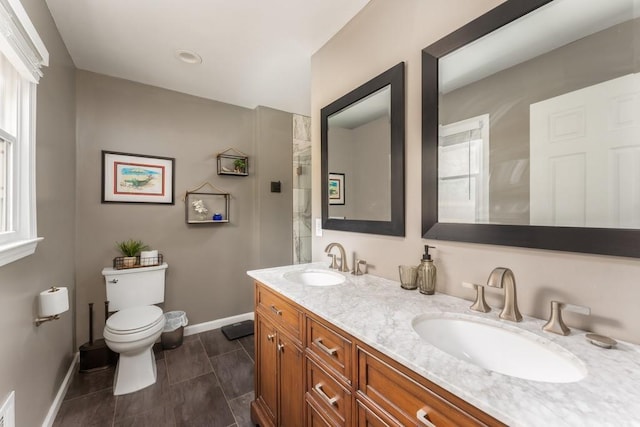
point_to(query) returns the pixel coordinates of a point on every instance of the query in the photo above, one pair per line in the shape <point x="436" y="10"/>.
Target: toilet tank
<point x="134" y="287"/>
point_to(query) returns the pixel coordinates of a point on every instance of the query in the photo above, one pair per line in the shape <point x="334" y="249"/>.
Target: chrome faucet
<point x="503" y="278"/>
<point x="343" y="257"/>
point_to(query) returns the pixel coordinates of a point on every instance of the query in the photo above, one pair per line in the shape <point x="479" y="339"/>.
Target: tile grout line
<point x="87" y="394"/>
<point x="169" y="389"/>
<point x="226" y="399"/>
<point x="197" y="376"/>
<point x="247" y="352"/>
<point x="226" y="352"/>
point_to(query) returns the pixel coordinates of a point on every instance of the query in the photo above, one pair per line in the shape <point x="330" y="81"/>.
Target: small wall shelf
<point x="233" y="162"/>
<point x="206" y="207"/>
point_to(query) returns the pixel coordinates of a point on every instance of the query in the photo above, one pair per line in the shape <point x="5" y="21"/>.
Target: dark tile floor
<point x="208" y="381"/>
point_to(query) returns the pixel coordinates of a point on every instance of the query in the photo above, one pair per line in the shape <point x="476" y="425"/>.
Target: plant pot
<point x="129" y="261"/>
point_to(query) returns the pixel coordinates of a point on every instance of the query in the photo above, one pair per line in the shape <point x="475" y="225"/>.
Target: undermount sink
<point x="313" y="277"/>
<point x="491" y="346"/>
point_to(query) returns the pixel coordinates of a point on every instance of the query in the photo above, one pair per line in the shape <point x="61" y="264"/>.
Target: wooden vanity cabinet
<point x="328" y="394"/>
<point x="331" y="349"/>
<point x="338" y="381"/>
<point x="266" y="384"/>
<point x="316" y="417"/>
<point x="279" y="380"/>
<point x="367" y="417"/>
<point x="409" y="399"/>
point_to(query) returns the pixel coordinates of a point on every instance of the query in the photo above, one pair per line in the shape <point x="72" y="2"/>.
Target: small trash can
<point x="173" y="331"/>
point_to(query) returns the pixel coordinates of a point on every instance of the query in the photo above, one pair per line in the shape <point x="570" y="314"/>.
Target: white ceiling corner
<point x="254" y="52"/>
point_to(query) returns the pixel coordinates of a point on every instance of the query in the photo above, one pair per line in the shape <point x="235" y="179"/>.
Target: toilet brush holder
<point x="95" y="355"/>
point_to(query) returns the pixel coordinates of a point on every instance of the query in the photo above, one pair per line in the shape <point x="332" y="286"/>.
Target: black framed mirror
<point x="530" y="115"/>
<point x="362" y="157"/>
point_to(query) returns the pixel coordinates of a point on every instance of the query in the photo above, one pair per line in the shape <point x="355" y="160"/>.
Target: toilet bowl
<point x="131" y="332"/>
<point x="136" y="325"/>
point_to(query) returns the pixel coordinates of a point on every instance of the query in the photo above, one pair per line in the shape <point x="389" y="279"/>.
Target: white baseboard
<point x="57" y="402"/>
<point x="215" y="324"/>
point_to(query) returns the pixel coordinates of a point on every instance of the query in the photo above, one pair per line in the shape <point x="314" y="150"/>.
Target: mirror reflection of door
<point x="463" y="171"/>
<point x="581" y="78"/>
<point x="585" y="156"/>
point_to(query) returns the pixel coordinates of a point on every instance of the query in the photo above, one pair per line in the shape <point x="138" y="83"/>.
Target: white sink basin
<point x="313" y="277"/>
<point x="491" y="346"/>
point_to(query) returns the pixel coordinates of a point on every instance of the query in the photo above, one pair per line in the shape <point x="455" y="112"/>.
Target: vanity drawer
<point x="328" y="394"/>
<point x="409" y="401"/>
<point x="317" y="418"/>
<point x="331" y="347"/>
<point x="367" y="417"/>
<point x="282" y="312"/>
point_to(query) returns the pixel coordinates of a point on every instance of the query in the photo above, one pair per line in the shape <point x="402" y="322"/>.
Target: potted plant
<point x="240" y="165"/>
<point x="130" y="249"/>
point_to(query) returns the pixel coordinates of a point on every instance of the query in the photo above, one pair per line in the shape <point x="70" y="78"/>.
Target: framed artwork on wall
<point x="137" y="178"/>
<point x="336" y="188"/>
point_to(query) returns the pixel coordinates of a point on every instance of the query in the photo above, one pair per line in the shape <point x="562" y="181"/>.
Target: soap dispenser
<point x="427" y="273"/>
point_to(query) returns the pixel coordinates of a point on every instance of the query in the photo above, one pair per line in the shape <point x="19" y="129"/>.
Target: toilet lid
<point x="130" y="319"/>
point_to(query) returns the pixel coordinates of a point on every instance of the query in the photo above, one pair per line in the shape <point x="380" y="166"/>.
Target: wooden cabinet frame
<point x="369" y="403"/>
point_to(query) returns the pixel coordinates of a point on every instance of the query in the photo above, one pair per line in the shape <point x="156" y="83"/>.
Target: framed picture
<point x="336" y="188"/>
<point x="136" y="178"/>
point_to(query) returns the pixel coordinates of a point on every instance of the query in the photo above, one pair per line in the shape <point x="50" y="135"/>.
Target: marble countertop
<point x="378" y="312"/>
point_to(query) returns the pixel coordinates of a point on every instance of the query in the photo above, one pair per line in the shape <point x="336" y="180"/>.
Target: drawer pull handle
<point x="321" y="346"/>
<point x="330" y="400"/>
<point x="275" y="310"/>
<point x="270" y="337"/>
<point x="280" y="348"/>
<point x="423" y="417"/>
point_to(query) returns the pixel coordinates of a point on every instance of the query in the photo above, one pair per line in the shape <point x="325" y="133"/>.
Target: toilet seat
<point x="131" y="324"/>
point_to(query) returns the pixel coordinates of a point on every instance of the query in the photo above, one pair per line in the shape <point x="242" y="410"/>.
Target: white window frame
<point x="481" y="202"/>
<point x="21" y="45"/>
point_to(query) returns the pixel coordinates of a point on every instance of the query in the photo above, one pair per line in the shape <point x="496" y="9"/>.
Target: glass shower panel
<point x="301" y="189"/>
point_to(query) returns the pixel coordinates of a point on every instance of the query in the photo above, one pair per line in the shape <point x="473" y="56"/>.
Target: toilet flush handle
<point x="113" y="281"/>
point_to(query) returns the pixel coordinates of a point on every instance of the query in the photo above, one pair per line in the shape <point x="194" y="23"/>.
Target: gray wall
<point x="207" y="263"/>
<point x="363" y="155"/>
<point x="340" y="153"/>
<point x="372" y="172"/>
<point x="34" y="359"/>
<point x="274" y="149"/>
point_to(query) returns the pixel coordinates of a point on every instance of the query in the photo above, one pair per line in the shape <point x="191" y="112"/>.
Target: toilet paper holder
<point x="40" y="320"/>
<point x="55" y="316"/>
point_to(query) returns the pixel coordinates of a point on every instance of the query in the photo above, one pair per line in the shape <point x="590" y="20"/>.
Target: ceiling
<point x="254" y="52"/>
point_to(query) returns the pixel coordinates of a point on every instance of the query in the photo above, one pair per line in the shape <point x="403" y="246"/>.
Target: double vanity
<point x="337" y="349"/>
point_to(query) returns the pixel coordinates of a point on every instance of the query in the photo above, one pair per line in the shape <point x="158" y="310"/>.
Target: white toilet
<point x="136" y="326"/>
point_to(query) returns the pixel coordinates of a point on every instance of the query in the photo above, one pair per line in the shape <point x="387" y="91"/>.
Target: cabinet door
<point x="267" y="381"/>
<point x="290" y="358"/>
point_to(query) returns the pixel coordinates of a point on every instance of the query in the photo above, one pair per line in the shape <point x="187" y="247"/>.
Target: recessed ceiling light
<point x="188" y="56"/>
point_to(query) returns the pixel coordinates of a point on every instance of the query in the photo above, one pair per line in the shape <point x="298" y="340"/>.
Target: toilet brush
<point x="95" y="355"/>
